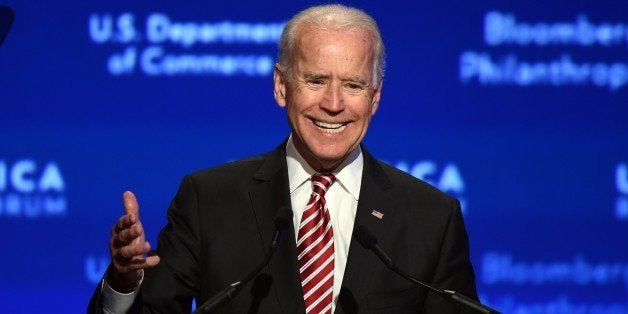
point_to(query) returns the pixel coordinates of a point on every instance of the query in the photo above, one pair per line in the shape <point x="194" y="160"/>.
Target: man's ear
<point x="279" y="89"/>
<point x="376" y="97"/>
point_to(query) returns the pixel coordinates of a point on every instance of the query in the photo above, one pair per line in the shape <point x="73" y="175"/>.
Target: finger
<point x="135" y="255"/>
<point x="149" y="262"/>
<point x="124" y="222"/>
<point x="150" y="259"/>
<point x="135" y="250"/>
<point x="128" y="235"/>
<point x="130" y="203"/>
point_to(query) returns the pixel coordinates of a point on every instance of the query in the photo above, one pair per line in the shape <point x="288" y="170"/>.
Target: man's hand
<point x="128" y="249"/>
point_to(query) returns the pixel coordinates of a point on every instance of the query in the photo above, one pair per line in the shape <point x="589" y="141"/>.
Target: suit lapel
<point x="267" y="196"/>
<point x="360" y="262"/>
<point x="272" y="192"/>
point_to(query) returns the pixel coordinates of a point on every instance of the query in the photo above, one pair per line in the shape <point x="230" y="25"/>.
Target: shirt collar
<point x="348" y="173"/>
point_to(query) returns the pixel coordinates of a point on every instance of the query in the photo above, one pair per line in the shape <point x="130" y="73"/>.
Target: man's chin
<point x="329" y="162"/>
<point x="325" y="156"/>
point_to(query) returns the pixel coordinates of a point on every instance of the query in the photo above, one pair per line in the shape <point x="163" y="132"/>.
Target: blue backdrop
<point x="518" y="108"/>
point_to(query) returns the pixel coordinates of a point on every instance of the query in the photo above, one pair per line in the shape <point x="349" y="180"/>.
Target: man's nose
<point x="334" y="100"/>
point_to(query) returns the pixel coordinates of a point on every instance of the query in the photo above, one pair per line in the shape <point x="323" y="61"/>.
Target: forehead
<point x="344" y="48"/>
<point x="309" y="33"/>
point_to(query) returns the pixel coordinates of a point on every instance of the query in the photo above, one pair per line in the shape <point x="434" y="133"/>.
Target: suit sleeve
<point x="171" y="286"/>
<point x="454" y="270"/>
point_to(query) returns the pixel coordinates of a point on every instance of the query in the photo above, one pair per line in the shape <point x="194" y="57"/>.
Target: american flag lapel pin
<point x="377" y="214"/>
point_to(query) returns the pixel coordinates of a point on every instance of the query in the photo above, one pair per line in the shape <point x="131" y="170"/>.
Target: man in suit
<point x="329" y="80"/>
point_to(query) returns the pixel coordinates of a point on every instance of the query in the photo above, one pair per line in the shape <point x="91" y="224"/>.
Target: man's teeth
<point x="330" y="127"/>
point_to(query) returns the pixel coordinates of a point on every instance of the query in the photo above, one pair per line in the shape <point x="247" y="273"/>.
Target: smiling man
<point x="329" y="80"/>
<point x="329" y="90"/>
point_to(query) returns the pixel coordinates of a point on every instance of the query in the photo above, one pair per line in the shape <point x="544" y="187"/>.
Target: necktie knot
<point x="321" y="183"/>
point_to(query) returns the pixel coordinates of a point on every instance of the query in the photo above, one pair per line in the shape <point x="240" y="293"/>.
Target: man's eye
<point x="315" y="82"/>
<point x="354" y="86"/>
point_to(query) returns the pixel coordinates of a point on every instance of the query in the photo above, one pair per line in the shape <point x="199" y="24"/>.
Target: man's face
<point x="329" y="94"/>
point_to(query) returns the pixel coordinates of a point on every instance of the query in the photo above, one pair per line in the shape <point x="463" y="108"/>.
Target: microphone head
<point x="283" y="218"/>
<point x="364" y="237"/>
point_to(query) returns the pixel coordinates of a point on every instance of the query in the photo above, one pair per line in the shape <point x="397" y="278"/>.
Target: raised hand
<point x="128" y="249"/>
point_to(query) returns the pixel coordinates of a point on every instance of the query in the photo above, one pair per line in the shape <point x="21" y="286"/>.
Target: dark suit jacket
<point x="221" y="225"/>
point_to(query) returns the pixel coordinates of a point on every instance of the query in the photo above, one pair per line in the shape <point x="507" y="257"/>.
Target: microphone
<point x="369" y="242"/>
<point x="6" y="19"/>
<point x="282" y="220"/>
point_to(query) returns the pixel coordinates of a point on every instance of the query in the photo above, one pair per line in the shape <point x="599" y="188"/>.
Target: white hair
<point x="335" y="17"/>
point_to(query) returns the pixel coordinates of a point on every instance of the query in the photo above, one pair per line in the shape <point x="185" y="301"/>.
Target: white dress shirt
<point x="114" y="302"/>
<point x="342" y="202"/>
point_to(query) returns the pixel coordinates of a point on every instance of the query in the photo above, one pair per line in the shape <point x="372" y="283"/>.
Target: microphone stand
<point x="234" y="288"/>
<point x="369" y="242"/>
<point x="284" y="215"/>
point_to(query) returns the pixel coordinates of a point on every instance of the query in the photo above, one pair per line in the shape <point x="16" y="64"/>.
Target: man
<point x="329" y="79"/>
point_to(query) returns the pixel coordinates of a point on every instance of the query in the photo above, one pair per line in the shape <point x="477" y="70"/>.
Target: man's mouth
<point x="330" y="127"/>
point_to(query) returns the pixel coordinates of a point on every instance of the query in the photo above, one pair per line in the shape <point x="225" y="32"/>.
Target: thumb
<point x="130" y="204"/>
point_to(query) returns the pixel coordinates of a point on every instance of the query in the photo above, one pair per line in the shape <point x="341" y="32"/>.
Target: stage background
<point x="518" y="108"/>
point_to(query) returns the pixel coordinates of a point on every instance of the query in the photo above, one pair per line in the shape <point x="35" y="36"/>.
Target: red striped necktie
<point x="315" y="249"/>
